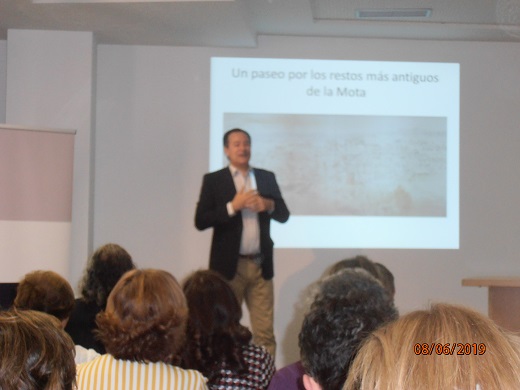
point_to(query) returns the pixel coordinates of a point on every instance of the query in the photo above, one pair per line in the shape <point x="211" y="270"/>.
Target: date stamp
<point x="460" y="349"/>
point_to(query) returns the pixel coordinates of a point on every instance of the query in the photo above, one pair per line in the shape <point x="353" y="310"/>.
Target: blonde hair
<point x="445" y="347"/>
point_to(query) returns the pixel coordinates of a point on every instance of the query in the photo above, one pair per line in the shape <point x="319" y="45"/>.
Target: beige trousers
<point x="249" y="285"/>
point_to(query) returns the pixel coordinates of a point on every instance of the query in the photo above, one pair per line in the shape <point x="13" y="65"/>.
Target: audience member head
<point x="145" y="317"/>
<point x="359" y="261"/>
<point x="214" y="328"/>
<point x="106" y="266"/>
<point x="394" y="358"/>
<point x="386" y="278"/>
<point x="349" y="304"/>
<point x="377" y="270"/>
<point x="35" y="352"/>
<point x="45" y="291"/>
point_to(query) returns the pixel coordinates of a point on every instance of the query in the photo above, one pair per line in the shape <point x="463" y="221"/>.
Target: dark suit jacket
<point x="217" y="190"/>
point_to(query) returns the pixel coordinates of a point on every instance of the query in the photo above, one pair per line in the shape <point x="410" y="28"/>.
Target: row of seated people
<point x="154" y="334"/>
<point x="353" y="339"/>
<point x="352" y="299"/>
<point x="143" y="327"/>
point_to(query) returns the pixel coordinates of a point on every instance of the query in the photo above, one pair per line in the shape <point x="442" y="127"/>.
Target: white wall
<point x="152" y="132"/>
<point x="50" y="84"/>
<point x="3" y="79"/>
<point x="152" y="150"/>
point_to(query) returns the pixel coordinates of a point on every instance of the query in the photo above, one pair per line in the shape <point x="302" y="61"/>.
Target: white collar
<point x="234" y="170"/>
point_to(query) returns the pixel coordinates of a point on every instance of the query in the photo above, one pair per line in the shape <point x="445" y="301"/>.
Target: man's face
<point x="238" y="150"/>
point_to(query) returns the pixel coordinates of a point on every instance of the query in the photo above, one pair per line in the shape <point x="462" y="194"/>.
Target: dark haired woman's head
<point x="106" y="266"/>
<point x="212" y="304"/>
<point x="214" y="328"/>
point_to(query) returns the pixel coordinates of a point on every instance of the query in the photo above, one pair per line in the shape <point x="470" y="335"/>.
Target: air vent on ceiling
<point x="396" y="13"/>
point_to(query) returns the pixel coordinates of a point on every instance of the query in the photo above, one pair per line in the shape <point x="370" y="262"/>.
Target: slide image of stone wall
<point x="352" y="165"/>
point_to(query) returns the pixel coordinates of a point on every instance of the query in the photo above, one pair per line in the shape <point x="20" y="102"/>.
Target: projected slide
<point x="366" y="153"/>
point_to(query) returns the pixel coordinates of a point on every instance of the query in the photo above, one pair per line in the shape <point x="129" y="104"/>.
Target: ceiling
<point x="238" y="23"/>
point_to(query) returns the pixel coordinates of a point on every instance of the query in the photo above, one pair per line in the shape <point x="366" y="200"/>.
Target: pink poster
<point x="35" y="175"/>
<point x="36" y="171"/>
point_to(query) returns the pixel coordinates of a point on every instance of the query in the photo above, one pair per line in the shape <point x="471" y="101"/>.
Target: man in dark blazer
<point x="238" y="202"/>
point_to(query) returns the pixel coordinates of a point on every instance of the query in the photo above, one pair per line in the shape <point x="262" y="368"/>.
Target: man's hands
<point x="251" y="200"/>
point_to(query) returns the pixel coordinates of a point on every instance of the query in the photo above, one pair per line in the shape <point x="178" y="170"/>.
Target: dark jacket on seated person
<point x="82" y="323"/>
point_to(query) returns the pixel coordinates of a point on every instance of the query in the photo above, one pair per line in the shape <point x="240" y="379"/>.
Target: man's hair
<point x="145" y="317"/>
<point x="45" y="291"/>
<point x="214" y="330"/>
<point x="106" y="266"/>
<point x="348" y="306"/>
<point x="386" y="278"/>
<point x="359" y="261"/>
<point x="35" y="353"/>
<point x="235" y="130"/>
<point x="377" y="270"/>
<point x="397" y="356"/>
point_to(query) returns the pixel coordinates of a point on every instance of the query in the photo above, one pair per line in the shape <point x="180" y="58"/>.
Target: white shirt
<point x="84" y="355"/>
<point x="250" y="242"/>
